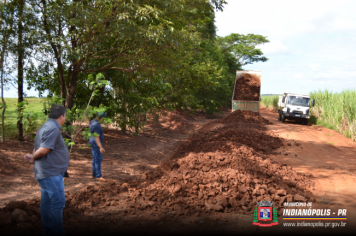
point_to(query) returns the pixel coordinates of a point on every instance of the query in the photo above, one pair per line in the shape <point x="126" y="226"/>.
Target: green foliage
<point x="49" y="101"/>
<point x="154" y="54"/>
<point x="270" y="102"/>
<point x="32" y="111"/>
<point x="77" y="115"/>
<point x="313" y="119"/>
<point x="243" y="47"/>
<point x="3" y="105"/>
<point x="31" y="124"/>
<point x="29" y="120"/>
<point x="336" y="111"/>
<point x="68" y="142"/>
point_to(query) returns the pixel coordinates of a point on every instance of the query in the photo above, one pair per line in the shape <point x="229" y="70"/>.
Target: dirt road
<point x="326" y="154"/>
<point x="329" y="156"/>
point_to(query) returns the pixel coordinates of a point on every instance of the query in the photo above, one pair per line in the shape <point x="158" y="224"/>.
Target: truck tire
<point x="279" y="116"/>
<point x="305" y="121"/>
<point x="283" y="118"/>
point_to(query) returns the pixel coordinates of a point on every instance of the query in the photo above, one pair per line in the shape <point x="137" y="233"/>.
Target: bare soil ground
<point x="126" y="157"/>
<point x="166" y="181"/>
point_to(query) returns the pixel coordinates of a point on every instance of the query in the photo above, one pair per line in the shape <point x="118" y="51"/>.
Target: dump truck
<point x="293" y="106"/>
<point x="247" y="89"/>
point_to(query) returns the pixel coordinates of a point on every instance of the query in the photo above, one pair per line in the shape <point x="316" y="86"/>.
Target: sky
<point x="312" y="43"/>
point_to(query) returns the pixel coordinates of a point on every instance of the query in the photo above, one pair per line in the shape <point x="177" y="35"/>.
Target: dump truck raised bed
<point x="247" y="89"/>
<point x="293" y="106"/>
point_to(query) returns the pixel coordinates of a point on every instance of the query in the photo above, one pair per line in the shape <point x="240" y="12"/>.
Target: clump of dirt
<point x="222" y="167"/>
<point x="20" y="215"/>
<point x="247" y="88"/>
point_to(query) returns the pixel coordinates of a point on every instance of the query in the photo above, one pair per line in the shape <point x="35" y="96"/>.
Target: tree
<point x="239" y="50"/>
<point x="140" y="39"/>
<point x="19" y="18"/>
<point x="87" y="37"/>
<point x="6" y="24"/>
<point x="155" y="54"/>
<point x="20" y="69"/>
<point x="243" y="48"/>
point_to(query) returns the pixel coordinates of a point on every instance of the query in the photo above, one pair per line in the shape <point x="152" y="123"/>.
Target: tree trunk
<point x="20" y="50"/>
<point x="3" y="101"/>
<point x="115" y="123"/>
<point x="124" y="115"/>
<point x="136" y="128"/>
<point x="137" y="122"/>
<point x="72" y="88"/>
<point x="57" y="52"/>
<point x="61" y="79"/>
<point x="71" y="82"/>
<point x="60" y="73"/>
<point x="69" y="103"/>
<point x="2" y="60"/>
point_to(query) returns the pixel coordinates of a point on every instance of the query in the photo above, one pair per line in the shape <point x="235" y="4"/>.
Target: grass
<point x="336" y="111"/>
<point x="270" y="102"/>
<point x="34" y="109"/>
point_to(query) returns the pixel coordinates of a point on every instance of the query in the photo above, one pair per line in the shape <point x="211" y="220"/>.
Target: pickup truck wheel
<point x="279" y="116"/>
<point x="283" y="118"/>
<point x="305" y="122"/>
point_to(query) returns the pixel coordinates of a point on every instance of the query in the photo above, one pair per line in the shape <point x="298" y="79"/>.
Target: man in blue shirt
<point x="97" y="145"/>
<point x="51" y="159"/>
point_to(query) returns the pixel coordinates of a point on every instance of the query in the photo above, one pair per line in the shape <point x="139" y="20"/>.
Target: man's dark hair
<point x="57" y="111"/>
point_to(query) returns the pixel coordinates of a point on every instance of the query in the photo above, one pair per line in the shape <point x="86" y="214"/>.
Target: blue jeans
<point x="97" y="159"/>
<point x="53" y="201"/>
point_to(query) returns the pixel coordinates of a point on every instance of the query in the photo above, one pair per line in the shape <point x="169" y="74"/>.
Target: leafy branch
<point x="81" y="114"/>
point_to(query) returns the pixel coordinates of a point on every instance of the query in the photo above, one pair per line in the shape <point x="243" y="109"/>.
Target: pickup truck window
<point x="283" y="99"/>
<point x="299" y="101"/>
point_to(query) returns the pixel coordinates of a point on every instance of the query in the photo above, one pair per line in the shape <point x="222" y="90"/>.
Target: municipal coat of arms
<point x="264" y="215"/>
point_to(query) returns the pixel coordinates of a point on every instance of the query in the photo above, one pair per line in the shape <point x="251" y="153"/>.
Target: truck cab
<point x="292" y="106"/>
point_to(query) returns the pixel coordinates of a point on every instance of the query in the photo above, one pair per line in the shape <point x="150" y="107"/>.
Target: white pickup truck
<point x="294" y="106"/>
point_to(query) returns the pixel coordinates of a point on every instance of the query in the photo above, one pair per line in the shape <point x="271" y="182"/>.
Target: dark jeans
<point x="53" y="201"/>
<point x="97" y="159"/>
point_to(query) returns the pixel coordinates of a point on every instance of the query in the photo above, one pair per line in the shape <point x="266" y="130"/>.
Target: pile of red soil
<point x="247" y="88"/>
<point x="222" y="167"/>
